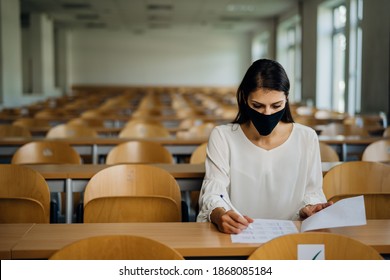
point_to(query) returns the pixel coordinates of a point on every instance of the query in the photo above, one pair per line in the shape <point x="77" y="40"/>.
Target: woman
<point x="263" y="163"/>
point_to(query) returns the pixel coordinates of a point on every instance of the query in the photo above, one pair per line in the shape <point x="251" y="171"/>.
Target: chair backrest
<point x="190" y="122"/>
<point x="24" y="195"/>
<point x="86" y="122"/>
<point x="139" y="152"/>
<point x="41" y="152"/>
<point x="117" y="247"/>
<point x="142" y="130"/>
<point x="118" y="182"/>
<point x="31" y="122"/>
<point x="135" y="121"/>
<point x="328" y="154"/>
<point x="371" y="179"/>
<point x="50" y="113"/>
<point x="199" y="131"/>
<point x="8" y="130"/>
<point x="70" y="131"/>
<point x="377" y="151"/>
<point x="386" y="133"/>
<point x="199" y="154"/>
<point x="336" y="247"/>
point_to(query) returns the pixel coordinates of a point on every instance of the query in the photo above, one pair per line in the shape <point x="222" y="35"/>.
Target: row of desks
<point x="192" y="240"/>
<point x="100" y="147"/>
<point x="70" y="178"/>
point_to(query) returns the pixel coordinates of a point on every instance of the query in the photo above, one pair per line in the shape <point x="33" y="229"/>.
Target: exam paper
<point x="264" y="230"/>
<point x="345" y="212"/>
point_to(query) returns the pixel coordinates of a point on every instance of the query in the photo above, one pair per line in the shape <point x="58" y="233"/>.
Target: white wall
<point x="191" y="59"/>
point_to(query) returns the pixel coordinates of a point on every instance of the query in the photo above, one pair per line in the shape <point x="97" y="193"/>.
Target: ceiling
<point x="140" y="16"/>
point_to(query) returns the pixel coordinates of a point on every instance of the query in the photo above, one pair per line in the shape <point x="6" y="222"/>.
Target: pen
<point x="233" y="208"/>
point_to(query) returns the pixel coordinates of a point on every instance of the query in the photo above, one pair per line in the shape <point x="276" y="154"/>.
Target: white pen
<point x="233" y="208"/>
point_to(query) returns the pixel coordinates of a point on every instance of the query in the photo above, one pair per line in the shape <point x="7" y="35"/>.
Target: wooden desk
<point x="10" y="234"/>
<point x="345" y="145"/>
<point x="190" y="239"/>
<point x="70" y="178"/>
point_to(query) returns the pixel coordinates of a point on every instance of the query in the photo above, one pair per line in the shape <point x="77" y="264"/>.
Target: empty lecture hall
<point x="195" y="130"/>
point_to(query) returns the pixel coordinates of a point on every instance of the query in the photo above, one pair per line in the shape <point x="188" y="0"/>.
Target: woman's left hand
<point x="309" y="210"/>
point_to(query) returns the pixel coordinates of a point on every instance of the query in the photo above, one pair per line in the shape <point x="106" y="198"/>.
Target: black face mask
<point x="264" y="123"/>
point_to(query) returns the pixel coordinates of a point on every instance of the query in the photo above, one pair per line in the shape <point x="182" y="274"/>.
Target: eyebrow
<point x="254" y="101"/>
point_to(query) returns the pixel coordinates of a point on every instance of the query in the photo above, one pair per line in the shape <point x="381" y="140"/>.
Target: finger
<point x="249" y="219"/>
<point x="238" y="219"/>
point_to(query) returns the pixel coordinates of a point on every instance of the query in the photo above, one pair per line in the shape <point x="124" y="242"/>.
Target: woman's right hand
<point x="229" y="221"/>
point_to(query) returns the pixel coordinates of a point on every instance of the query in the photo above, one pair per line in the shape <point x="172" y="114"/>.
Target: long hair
<point x="267" y="74"/>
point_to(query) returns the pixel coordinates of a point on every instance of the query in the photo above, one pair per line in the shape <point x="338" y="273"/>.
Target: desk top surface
<point x="364" y="140"/>
<point x="86" y="171"/>
<point x="190" y="239"/>
<point x="10" y="234"/>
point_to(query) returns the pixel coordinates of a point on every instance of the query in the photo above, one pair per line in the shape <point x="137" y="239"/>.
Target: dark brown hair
<point x="267" y="74"/>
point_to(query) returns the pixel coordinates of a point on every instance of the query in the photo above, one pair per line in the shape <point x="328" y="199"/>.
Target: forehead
<point x="266" y="96"/>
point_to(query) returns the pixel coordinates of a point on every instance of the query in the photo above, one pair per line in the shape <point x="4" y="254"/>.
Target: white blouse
<point x="263" y="184"/>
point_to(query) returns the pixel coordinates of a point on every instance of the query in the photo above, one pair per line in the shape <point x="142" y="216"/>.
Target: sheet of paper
<point x="345" y="212"/>
<point x="263" y="230"/>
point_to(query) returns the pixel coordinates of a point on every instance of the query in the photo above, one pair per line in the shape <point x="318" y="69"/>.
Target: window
<point x="260" y="46"/>
<point x="289" y="54"/>
<point x="355" y="57"/>
<point x="339" y="56"/>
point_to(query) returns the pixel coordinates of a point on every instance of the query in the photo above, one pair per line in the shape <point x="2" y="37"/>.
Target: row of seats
<point x="189" y="128"/>
<point x="119" y="193"/>
<point x="140" y="151"/>
<point x="133" y="129"/>
<point x="107" y="194"/>
<point x="136" y="151"/>
<point x="129" y="247"/>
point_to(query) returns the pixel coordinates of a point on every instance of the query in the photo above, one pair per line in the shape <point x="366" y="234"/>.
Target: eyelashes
<point x="261" y="106"/>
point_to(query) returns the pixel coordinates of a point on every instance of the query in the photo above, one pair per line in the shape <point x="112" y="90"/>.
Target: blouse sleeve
<point x="217" y="178"/>
<point x="313" y="189"/>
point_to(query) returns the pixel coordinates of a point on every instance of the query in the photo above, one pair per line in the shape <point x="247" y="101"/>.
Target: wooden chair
<point x="386" y="133"/>
<point x="24" y="195"/>
<point x="86" y="122"/>
<point x="31" y="122"/>
<point x="71" y="131"/>
<point x="144" y="130"/>
<point x="139" y="152"/>
<point x="336" y="247"/>
<point x="117" y="247"/>
<point x="197" y="156"/>
<point x="49" y="152"/>
<point x="328" y="154"/>
<point x="377" y="151"/>
<point x="132" y="193"/>
<point x="136" y="121"/>
<point x="190" y="122"/>
<point x="42" y="152"/>
<point x="199" y="131"/>
<point x="371" y="179"/>
<point x="8" y="130"/>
